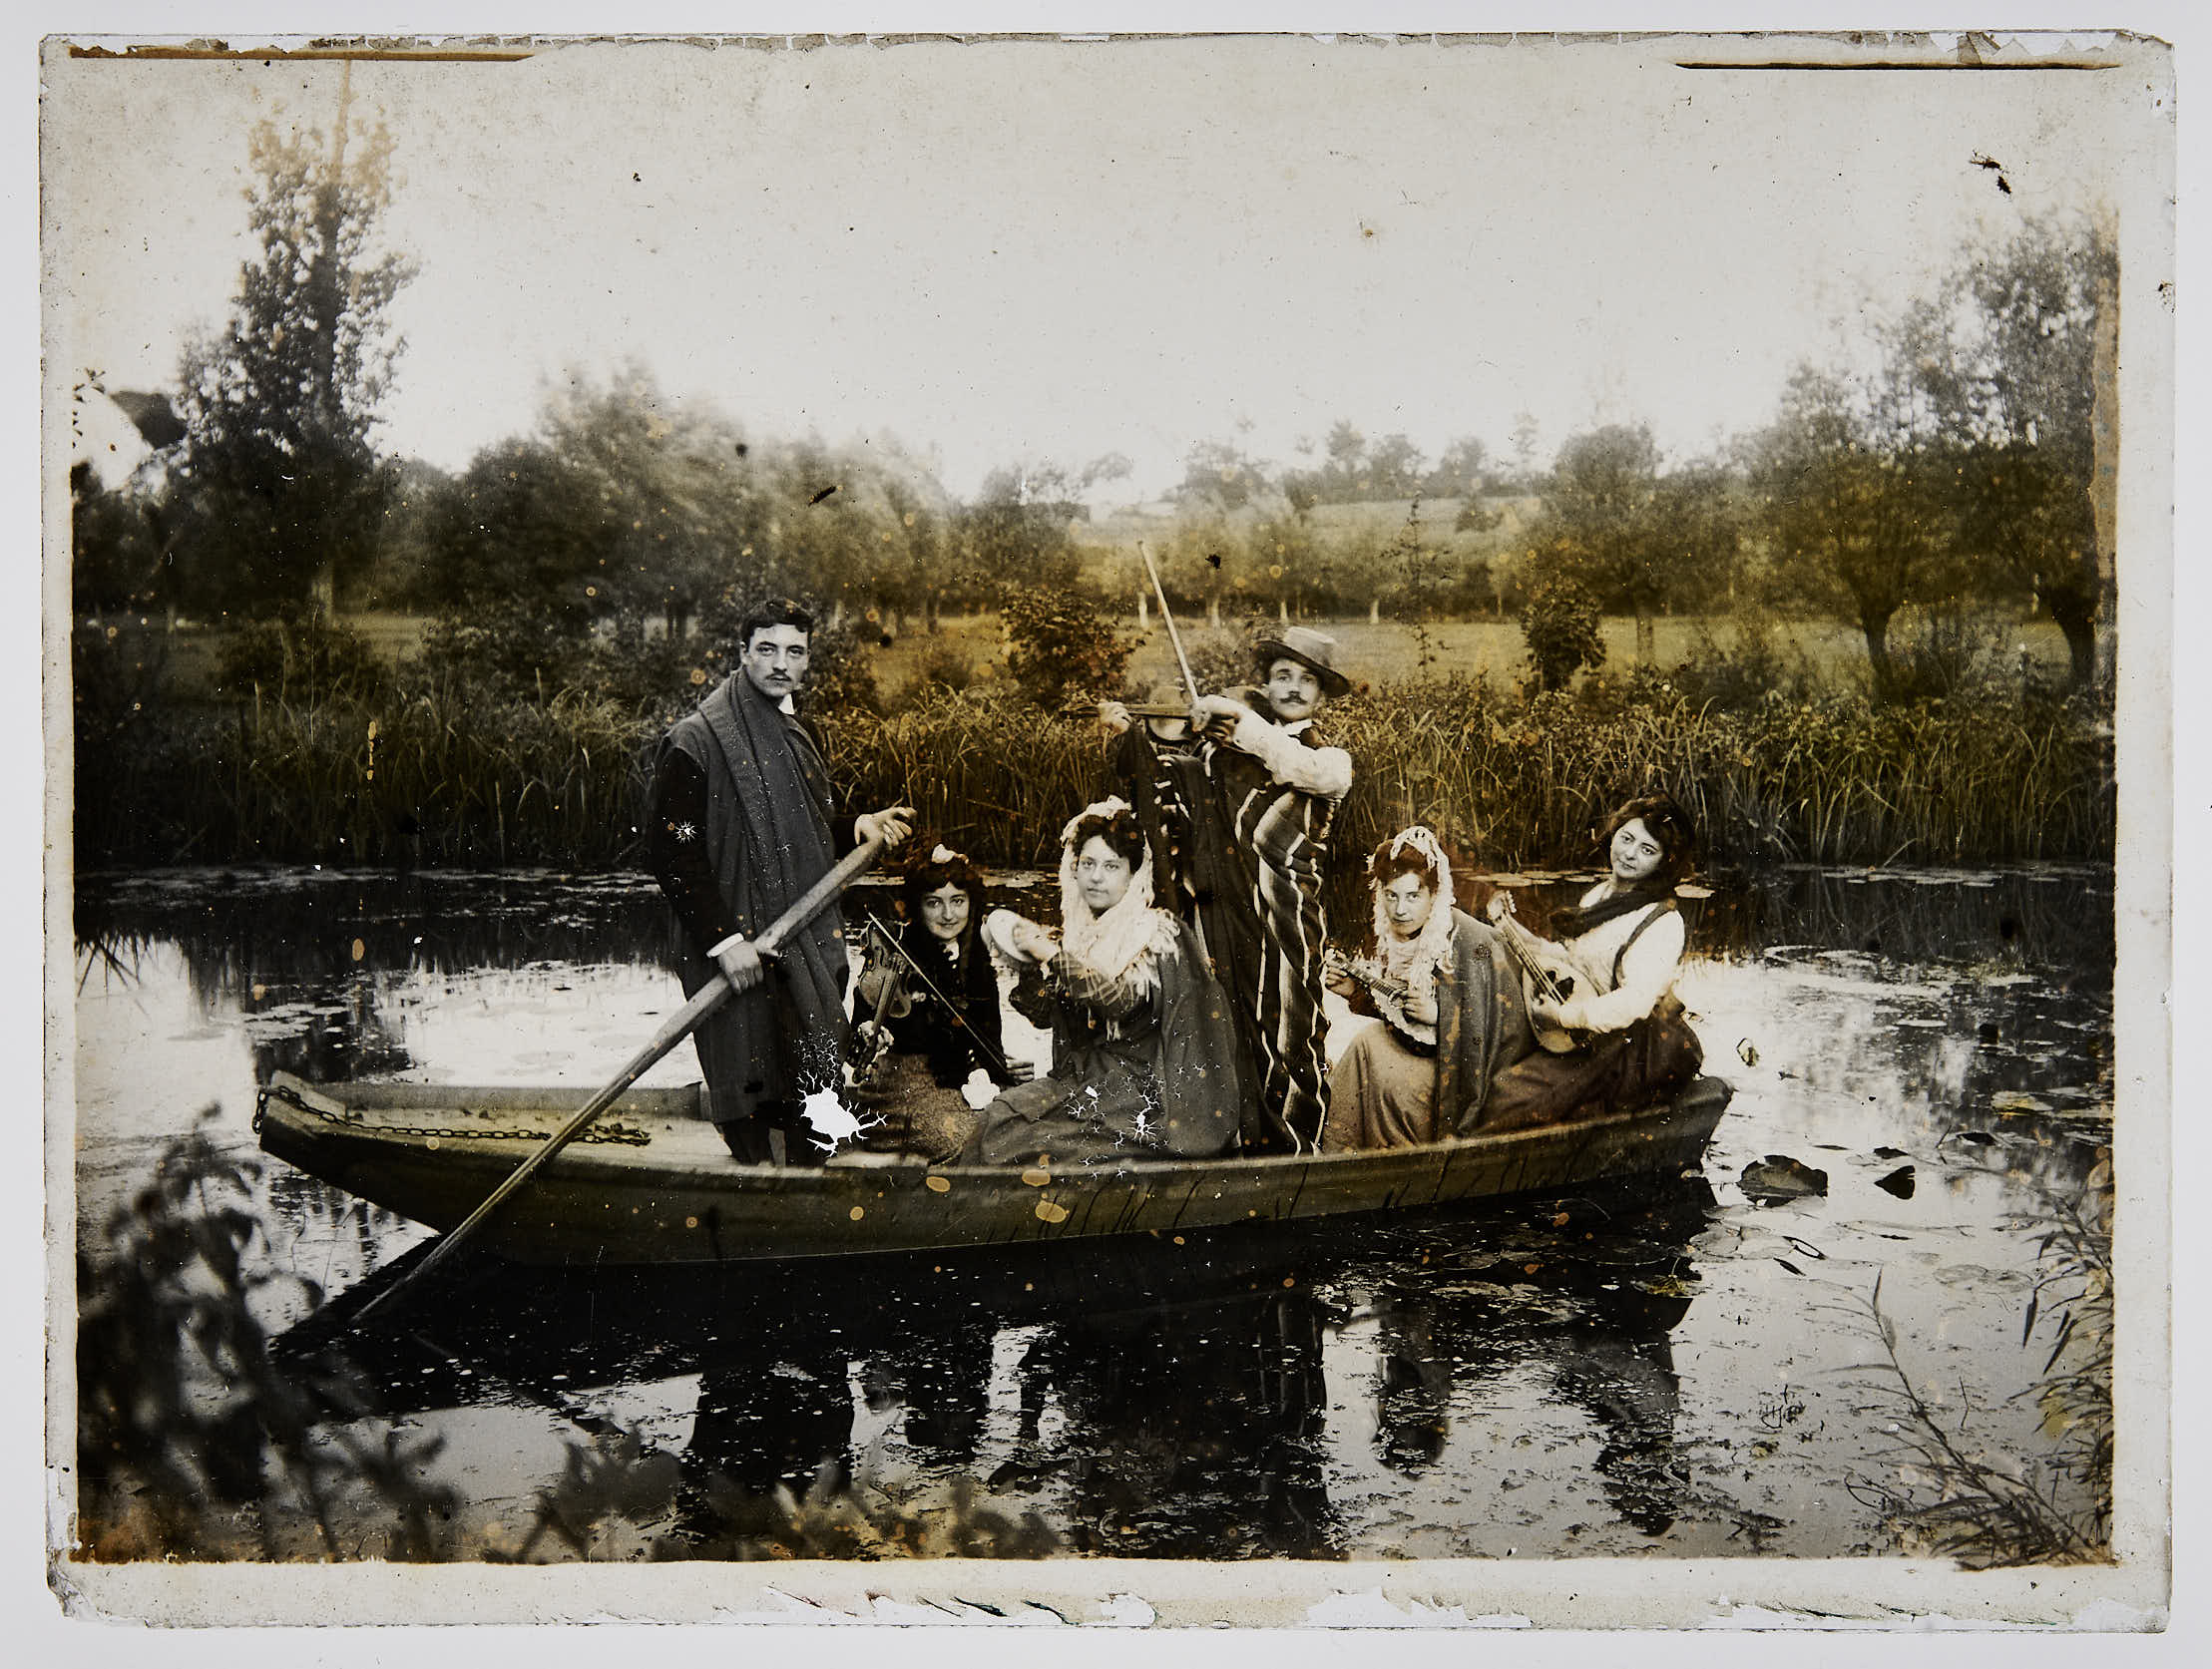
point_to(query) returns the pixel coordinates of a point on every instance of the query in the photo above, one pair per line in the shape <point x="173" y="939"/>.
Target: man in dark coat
<point x="738" y="826"/>
<point x="1239" y="815"/>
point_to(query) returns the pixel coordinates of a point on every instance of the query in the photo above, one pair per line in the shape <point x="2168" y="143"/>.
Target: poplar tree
<point x="278" y="487"/>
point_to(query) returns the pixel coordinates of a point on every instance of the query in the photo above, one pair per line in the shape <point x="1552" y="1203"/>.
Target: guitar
<point x="1390" y="995"/>
<point x="1548" y="974"/>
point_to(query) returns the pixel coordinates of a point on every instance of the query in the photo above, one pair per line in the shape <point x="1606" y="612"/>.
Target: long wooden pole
<point x="672" y="1031"/>
<point x="1189" y="683"/>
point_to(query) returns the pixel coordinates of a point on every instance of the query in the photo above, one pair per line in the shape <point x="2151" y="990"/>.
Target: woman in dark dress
<point x="941" y="1041"/>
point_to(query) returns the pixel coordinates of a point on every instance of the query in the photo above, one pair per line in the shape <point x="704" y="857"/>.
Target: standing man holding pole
<point x="1244" y="800"/>
<point x="738" y="826"/>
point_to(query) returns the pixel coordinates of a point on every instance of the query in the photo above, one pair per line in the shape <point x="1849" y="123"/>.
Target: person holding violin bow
<point x="1601" y="1004"/>
<point x="1449" y="1007"/>
<point x="927" y="1026"/>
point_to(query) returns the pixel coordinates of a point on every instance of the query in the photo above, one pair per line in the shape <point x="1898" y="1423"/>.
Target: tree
<point x="1855" y="485"/>
<point x="111" y="556"/>
<point x="1394" y="469"/>
<point x="1017" y="527"/>
<point x="1524" y="436"/>
<point x="1560" y="625"/>
<point x="1463" y="471"/>
<point x="2040" y="345"/>
<point x="1600" y="525"/>
<point x="1218" y="475"/>
<point x="277" y="483"/>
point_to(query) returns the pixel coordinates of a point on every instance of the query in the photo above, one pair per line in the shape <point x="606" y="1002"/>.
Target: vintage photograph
<point x="1261" y="829"/>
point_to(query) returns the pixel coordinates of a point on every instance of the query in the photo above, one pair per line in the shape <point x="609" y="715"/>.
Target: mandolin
<point x="1548" y="974"/>
<point x="1390" y="995"/>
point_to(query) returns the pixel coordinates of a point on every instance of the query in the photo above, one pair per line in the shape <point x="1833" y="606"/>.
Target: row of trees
<point x="1959" y="456"/>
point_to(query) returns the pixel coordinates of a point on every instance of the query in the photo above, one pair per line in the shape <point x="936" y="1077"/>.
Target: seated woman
<point x="1451" y="1002"/>
<point x="938" y="993"/>
<point x="1144" y="1061"/>
<point x="1631" y="1045"/>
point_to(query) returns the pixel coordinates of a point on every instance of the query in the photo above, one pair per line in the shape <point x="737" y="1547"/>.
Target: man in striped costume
<point x="1245" y="808"/>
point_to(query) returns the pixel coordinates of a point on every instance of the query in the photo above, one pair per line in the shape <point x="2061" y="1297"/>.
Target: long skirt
<point x="1100" y="1106"/>
<point x="1647" y="1063"/>
<point x="1381" y="1094"/>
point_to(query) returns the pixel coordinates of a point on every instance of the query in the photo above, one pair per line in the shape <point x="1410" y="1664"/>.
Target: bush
<point x="1943" y="653"/>
<point x="298" y="657"/>
<point x="1224" y="659"/>
<point x="1743" y="673"/>
<point x="192" y="1440"/>
<point x="947" y="668"/>
<point x="508" y="652"/>
<point x="1560" y="625"/>
<point x="1060" y="647"/>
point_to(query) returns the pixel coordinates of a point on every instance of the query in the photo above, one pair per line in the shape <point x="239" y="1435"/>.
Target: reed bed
<point x="437" y="777"/>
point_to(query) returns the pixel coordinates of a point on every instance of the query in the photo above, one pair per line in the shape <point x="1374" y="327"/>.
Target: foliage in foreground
<point x="193" y="1442"/>
<point x="196" y="1441"/>
<point x="1947" y="1493"/>
<point x="619" y="1497"/>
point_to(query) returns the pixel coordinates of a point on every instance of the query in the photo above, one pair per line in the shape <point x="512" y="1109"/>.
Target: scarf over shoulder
<point x="768" y="838"/>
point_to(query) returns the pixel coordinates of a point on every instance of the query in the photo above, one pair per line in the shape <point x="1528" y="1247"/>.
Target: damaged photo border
<point x="2119" y="103"/>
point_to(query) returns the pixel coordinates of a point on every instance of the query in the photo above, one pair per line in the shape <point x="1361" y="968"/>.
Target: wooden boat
<point x="653" y="1184"/>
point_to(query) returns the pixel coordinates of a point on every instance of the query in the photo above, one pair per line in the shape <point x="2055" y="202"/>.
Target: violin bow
<point x="930" y="986"/>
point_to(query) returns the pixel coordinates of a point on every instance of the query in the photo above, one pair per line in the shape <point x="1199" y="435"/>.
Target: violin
<point x="880" y="991"/>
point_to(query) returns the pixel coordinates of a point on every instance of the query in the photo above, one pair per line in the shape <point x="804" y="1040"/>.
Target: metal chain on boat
<point x="607" y="1130"/>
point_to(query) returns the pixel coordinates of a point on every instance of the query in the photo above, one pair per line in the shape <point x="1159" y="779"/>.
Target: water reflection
<point x="1595" y="1374"/>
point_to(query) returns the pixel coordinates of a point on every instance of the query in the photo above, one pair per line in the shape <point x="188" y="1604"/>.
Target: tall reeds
<point x="440" y="777"/>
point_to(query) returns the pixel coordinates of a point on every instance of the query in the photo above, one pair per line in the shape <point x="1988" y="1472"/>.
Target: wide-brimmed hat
<point x="1310" y="647"/>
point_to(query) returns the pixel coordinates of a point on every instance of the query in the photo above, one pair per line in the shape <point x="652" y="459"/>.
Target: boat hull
<point x="668" y="1192"/>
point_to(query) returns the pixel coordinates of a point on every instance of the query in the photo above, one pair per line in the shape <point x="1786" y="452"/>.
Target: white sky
<point x="1049" y="251"/>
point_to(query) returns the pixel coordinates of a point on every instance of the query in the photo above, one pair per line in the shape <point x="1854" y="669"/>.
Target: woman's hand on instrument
<point x="1422" y="1011"/>
<point x="890" y="825"/>
<point x="1500" y="906"/>
<point x="1114" y="716"/>
<point x="1551" y="1017"/>
<point x="1020" y="1071"/>
<point x="1341" y="982"/>
<point x="741" y="964"/>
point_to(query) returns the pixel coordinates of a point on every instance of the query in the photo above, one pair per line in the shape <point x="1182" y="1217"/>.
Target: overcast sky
<point x="1047" y="250"/>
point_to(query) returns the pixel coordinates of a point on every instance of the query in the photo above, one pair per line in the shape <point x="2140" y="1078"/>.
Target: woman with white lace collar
<point x="1450" y="1006"/>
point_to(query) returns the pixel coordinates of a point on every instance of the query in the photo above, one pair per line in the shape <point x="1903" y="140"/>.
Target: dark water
<point x="1680" y="1373"/>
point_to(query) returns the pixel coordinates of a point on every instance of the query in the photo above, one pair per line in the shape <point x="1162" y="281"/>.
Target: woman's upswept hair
<point x="933" y="865"/>
<point x="1119" y="829"/>
<point x="1670" y="826"/>
<point x="1414" y="851"/>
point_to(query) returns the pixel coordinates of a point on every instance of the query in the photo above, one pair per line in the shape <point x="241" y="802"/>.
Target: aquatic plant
<point x="192" y="1441"/>
<point x="447" y="774"/>
<point x="1949" y="1493"/>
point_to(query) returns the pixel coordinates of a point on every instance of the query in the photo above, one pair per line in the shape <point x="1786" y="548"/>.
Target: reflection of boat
<point x="653" y="1184"/>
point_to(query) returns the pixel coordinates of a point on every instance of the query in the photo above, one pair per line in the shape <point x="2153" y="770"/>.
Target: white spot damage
<point x="831" y="1121"/>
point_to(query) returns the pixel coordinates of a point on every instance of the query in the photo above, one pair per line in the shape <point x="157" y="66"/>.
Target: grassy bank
<point x="437" y="777"/>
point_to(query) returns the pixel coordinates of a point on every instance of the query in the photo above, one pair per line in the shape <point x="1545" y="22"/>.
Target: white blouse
<point x="1647" y="973"/>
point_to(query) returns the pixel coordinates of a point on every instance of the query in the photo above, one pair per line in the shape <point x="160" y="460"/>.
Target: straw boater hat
<point x="1316" y="650"/>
